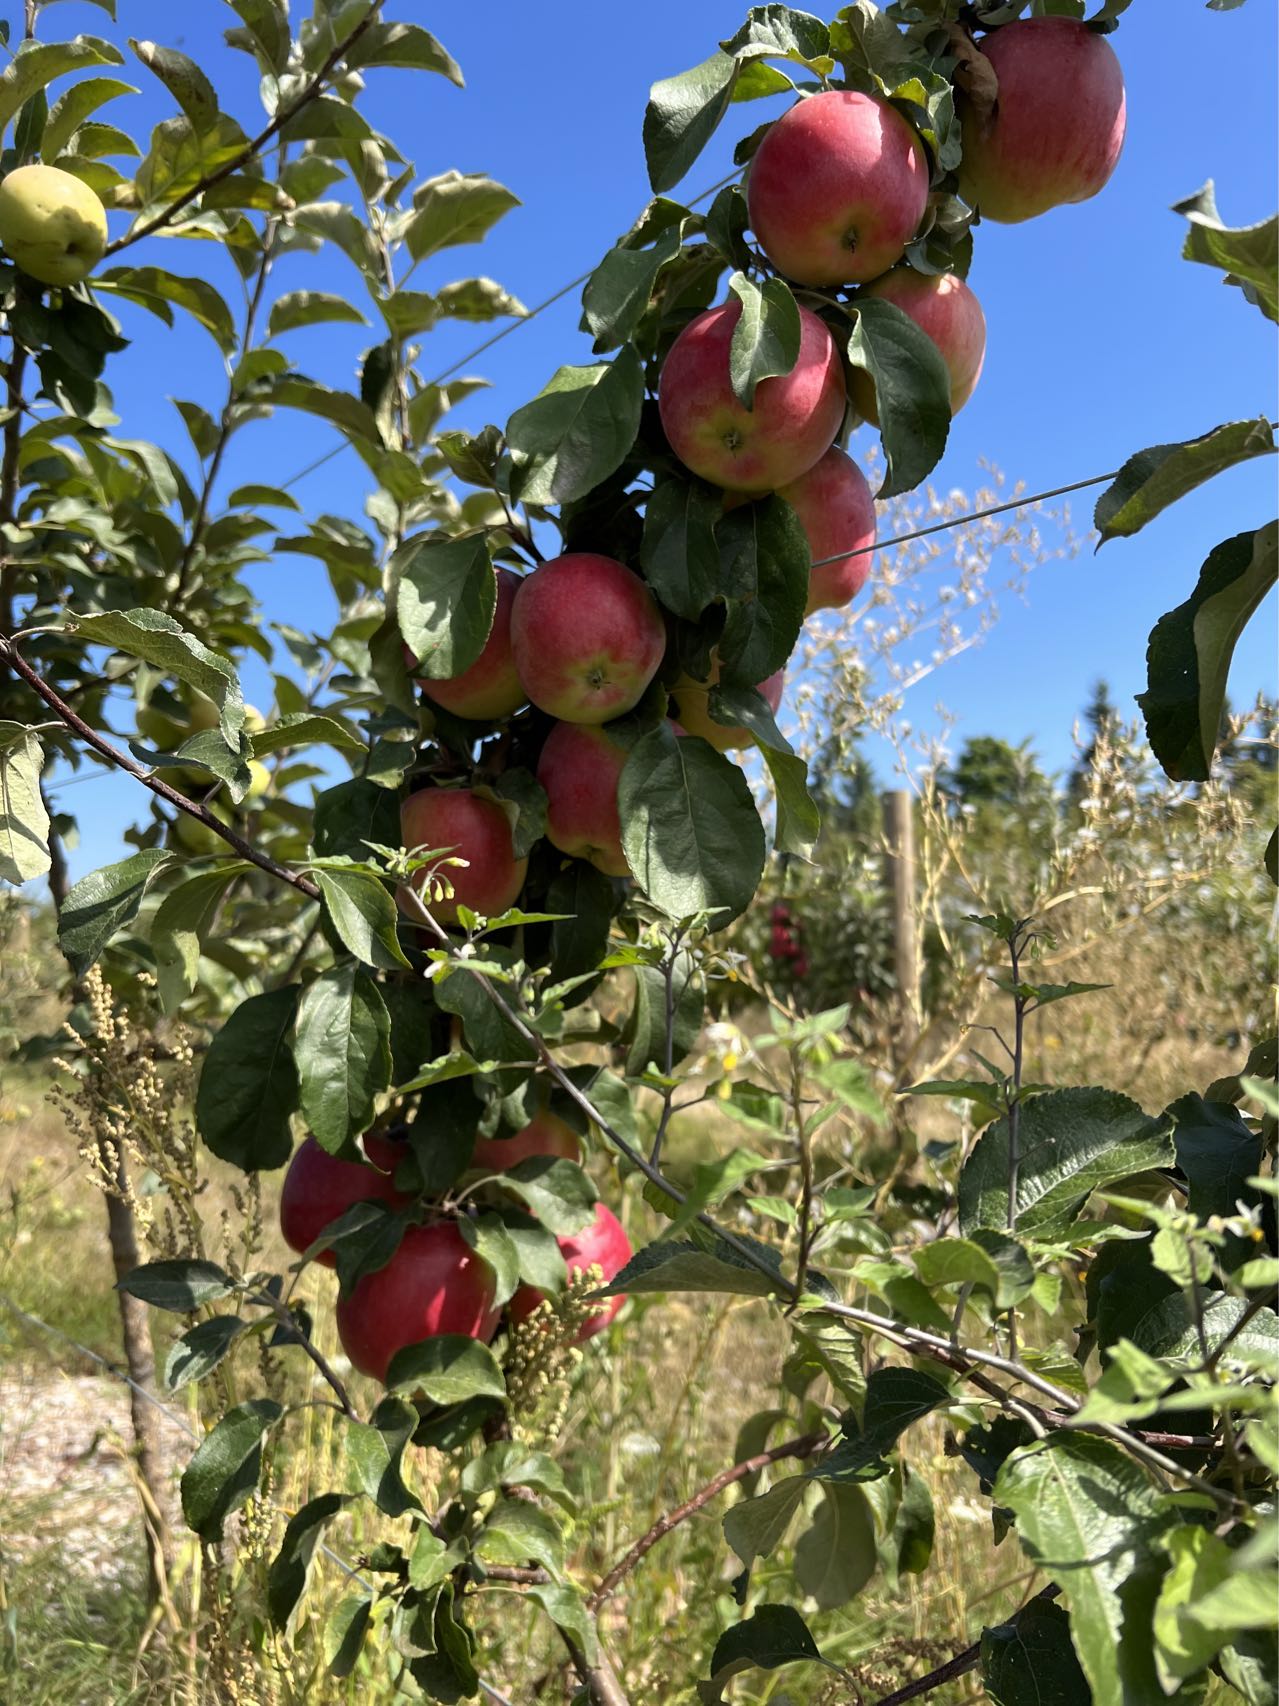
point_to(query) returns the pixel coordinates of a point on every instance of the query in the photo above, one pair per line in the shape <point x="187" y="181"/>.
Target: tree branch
<point x="804" y="1446"/>
<point x="963" y="1662"/>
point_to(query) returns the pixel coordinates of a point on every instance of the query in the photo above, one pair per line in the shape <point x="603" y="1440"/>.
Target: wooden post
<point x="899" y="875"/>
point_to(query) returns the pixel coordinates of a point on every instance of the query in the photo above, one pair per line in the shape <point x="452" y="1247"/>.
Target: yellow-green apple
<point x="434" y="1284"/>
<point x="602" y="1244"/>
<point x="793" y="420"/>
<point x="837" y="512"/>
<point x="945" y="308"/>
<point x="545" y="1134"/>
<point x="51" y="225"/>
<point x="837" y="188"/>
<point x="1057" y="126"/>
<point x="469" y="827"/>
<point x="692" y="702"/>
<point x="579" y="768"/>
<point x="587" y="636"/>
<point x="319" y="1187"/>
<point x="490" y="689"/>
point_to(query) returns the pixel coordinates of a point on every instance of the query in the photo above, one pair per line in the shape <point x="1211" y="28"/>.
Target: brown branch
<point x="804" y="1446"/>
<point x="9" y="653"/>
<point x="963" y="1662"/>
<point x="600" y="1680"/>
<point x="259" y="142"/>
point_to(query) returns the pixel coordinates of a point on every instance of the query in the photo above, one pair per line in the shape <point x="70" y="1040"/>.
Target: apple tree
<point x="426" y="989"/>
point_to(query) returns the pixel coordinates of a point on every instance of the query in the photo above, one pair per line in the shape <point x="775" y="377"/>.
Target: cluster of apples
<point x="434" y="1284"/>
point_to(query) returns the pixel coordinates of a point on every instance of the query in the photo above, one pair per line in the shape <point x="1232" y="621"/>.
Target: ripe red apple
<point x="587" y="636"/>
<point x="319" y="1187"/>
<point x="433" y="1284"/>
<point x="945" y="308"/>
<point x="474" y="829"/>
<point x="692" y="701"/>
<point x="602" y="1243"/>
<point x="837" y="512"/>
<point x="491" y="688"/>
<point x="579" y="768"/>
<point x="1057" y="126"/>
<point x="837" y="188"/>
<point x="793" y="421"/>
<point x="545" y="1134"/>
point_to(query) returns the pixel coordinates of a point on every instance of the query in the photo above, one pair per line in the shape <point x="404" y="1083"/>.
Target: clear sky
<point x="1101" y="340"/>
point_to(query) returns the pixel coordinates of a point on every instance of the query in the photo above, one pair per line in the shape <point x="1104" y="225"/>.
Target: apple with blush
<point x="467" y="826"/>
<point x="836" y="509"/>
<point x="943" y="307"/>
<point x="602" y="1244"/>
<point x="319" y="1187"/>
<point x="587" y="637"/>
<point x="580" y="768"/>
<point x="545" y="1134"/>
<point x="433" y="1285"/>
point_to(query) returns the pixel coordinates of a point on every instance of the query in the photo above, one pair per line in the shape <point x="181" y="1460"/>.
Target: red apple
<point x="837" y="512"/>
<point x="837" y="188"/>
<point x="433" y="1284"/>
<point x="792" y="424"/>
<point x="692" y="701"/>
<point x="545" y="1134"/>
<point x="602" y="1244"/>
<point x="1057" y="126"/>
<point x="471" y="828"/>
<point x="588" y="637"/>
<point x="944" y="308"/>
<point x="579" y="768"/>
<point x="490" y="689"/>
<point x="319" y="1187"/>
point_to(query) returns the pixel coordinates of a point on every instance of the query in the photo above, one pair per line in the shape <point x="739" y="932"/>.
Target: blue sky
<point x="1101" y="340"/>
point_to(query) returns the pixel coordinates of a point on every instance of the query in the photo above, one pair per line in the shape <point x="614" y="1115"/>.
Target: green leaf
<point x="350" y="414"/>
<point x="431" y="1561"/>
<point x="180" y="1286"/>
<point x="517" y="1531"/>
<point x="449" y="1369"/>
<point x="343" y="1054"/>
<point x="1167" y="1328"/>
<point x="353" y="814"/>
<point x="445" y="603"/>
<point x="1071" y="1143"/>
<point x="1030" y="1661"/>
<point x="477" y="300"/>
<point x="407" y="46"/>
<point x="200" y="1349"/>
<point x="364" y="916"/>
<point x="912" y="391"/>
<point x="184" y="80"/>
<point x="776" y="1635"/>
<point x="1188" y="658"/>
<point x="682" y="115"/>
<point x="780" y="32"/>
<point x="155" y="288"/>
<point x="764" y="567"/>
<point x="896" y="1398"/>
<point x="454" y="208"/>
<point x="304" y="728"/>
<point x="267" y="28"/>
<point x="157" y="639"/>
<point x="836" y="1556"/>
<point x="766" y="337"/>
<point x="557" y="1191"/>
<point x="679" y="553"/>
<point x="179" y="928"/>
<point x="290" y="1569"/>
<point x="24" y="822"/>
<point x="678" y="1266"/>
<point x="799" y="822"/>
<point x="344" y="1633"/>
<point x="566" y="1609"/>
<point x="487" y="1236"/>
<point x="104" y="902"/>
<point x="541" y="1261"/>
<point x="1247" y="254"/>
<point x="1152" y="479"/>
<point x="311" y="308"/>
<point x="36" y="64"/>
<point x="248" y="1085"/>
<point x="757" y="1526"/>
<point x="376" y="1450"/>
<point x="1186" y="1641"/>
<point x="956" y="1261"/>
<point x="224" y="1472"/>
<point x="1218" y="1154"/>
<point x="70" y="111"/>
<point x="616" y="295"/>
<point x="1087" y="1514"/>
<point x="577" y="430"/>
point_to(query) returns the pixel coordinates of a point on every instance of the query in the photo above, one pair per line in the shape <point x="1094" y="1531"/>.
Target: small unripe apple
<point x="602" y="1244"/>
<point x="837" y="188"/>
<point x="545" y="1134"/>
<point x="468" y="827"/>
<point x="319" y="1187"/>
<point x="580" y="768"/>
<point x="945" y="308"/>
<point x="490" y="689"/>
<point x="1057" y="127"/>
<point x="587" y="636"/>
<point x="52" y="225"/>
<point x="433" y="1285"/>
<point x="793" y="420"/>
<point x="260" y="781"/>
<point x="837" y="512"/>
<point x="692" y="701"/>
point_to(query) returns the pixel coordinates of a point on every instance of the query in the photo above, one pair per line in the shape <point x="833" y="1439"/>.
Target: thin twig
<point x="963" y="1662"/>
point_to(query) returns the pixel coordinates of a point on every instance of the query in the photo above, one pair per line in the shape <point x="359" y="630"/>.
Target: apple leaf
<point x="445" y="602"/>
<point x="1188" y="658"/>
<point x="36" y="63"/>
<point x="104" y="902"/>
<point x="775" y="1635"/>
<point x="24" y="822"/>
<point x="577" y="431"/>
<point x="690" y="830"/>
<point x="1152" y="479"/>
<point x="912" y="391"/>
<point x="70" y="111"/>
<point x="376" y="1451"/>
<point x="683" y="114"/>
<point x="343" y="1053"/>
<point x="616" y="295"/>
<point x="364" y="916"/>
<point x="344" y="1633"/>
<point x="1030" y="1661"/>
<point x="836" y="1555"/>
<point x="766" y="338"/>
<point x="200" y="1349"/>
<point x="679" y="555"/>
<point x="456" y="207"/>
<point x="1247" y="254"/>
<point x="290" y="1569"/>
<point x="406" y="46"/>
<point x="448" y="1368"/>
<point x="248" y="1085"/>
<point x="158" y="640"/>
<point x="224" y="1472"/>
<point x="179" y="927"/>
<point x="764" y="568"/>
<point x="675" y="1265"/>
